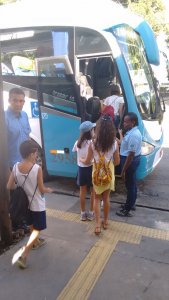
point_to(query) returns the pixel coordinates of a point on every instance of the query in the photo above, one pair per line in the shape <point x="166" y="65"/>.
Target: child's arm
<point x="41" y="186"/>
<point x="75" y="147"/>
<point x="116" y="157"/>
<point x="89" y="156"/>
<point x="120" y="134"/>
<point x="11" y="182"/>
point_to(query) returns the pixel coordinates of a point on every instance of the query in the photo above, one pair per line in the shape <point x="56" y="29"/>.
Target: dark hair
<point x="93" y="109"/>
<point x="17" y="91"/>
<point x="27" y="147"/>
<point x="133" y="117"/>
<point x="105" y="133"/>
<point x="83" y="137"/>
<point x="115" y="89"/>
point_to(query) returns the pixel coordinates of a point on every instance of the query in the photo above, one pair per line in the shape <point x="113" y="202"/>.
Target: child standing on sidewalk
<point x="84" y="177"/>
<point x="34" y="189"/>
<point x="104" y="148"/>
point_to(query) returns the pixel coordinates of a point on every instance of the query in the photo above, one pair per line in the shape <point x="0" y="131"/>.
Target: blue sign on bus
<point x="34" y="109"/>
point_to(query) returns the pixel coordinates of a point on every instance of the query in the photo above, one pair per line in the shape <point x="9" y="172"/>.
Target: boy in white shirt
<point x="34" y="188"/>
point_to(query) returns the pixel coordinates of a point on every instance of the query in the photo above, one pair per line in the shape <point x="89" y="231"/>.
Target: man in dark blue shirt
<point x="18" y="128"/>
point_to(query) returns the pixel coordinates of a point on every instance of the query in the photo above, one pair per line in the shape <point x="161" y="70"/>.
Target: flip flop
<point x="105" y="225"/>
<point x="97" y="230"/>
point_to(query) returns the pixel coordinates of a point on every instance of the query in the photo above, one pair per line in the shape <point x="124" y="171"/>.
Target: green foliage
<point x="6" y="1"/>
<point x="153" y="11"/>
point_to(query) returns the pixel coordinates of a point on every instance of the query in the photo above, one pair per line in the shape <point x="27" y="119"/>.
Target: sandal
<point x="97" y="230"/>
<point x="105" y="225"/>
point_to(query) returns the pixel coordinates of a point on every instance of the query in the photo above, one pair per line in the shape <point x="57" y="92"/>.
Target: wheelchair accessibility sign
<point x="34" y="109"/>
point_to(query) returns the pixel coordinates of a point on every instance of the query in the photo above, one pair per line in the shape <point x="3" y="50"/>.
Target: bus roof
<point x="84" y="13"/>
<point x="94" y="14"/>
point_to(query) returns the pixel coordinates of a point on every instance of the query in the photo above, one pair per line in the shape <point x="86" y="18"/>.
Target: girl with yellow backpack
<point x="105" y="153"/>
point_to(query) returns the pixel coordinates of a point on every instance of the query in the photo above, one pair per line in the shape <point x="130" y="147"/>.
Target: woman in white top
<point x="84" y="176"/>
<point x="106" y="146"/>
<point x="34" y="189"/>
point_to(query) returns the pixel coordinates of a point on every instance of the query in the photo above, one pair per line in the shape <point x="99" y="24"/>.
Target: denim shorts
<point x="84" y="176"/>
<point x="37" y="219"/>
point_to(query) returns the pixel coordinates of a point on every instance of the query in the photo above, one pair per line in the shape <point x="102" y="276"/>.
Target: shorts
<point x="84" y="176"/>
<point x="37" y="219"/>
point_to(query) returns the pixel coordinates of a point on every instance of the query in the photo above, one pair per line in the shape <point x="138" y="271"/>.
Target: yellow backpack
<point x="102" y="174"/>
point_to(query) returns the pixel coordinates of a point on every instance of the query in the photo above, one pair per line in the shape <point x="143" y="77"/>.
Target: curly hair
<point x="105" y="134"/>
<point x="83" y="137"/>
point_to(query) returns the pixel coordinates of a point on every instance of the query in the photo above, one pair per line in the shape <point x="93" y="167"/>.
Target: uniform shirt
<point x="82" y="152"/>
<point x="115" y="102"/>
<point x="18" y="130"/>
<point x="131" y="142"/>
<point x="30" y="185"/>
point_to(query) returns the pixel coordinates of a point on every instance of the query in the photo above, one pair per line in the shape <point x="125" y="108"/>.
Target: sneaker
<point x="40" y="243"/>
<point x="21" y="232"/>
<point x="83" y="216"/>
<point x="133" y="208"/>
<point x="90" y="215"/>
<point x="21" y="262"/>
<point x="123" y="213"/>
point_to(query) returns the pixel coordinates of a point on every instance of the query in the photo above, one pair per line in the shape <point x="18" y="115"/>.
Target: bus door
<point x="59" y="116"/>
<point x="59" y="133"/>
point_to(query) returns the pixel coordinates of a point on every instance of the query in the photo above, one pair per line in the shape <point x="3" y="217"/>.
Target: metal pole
<point x="5" y="223"/>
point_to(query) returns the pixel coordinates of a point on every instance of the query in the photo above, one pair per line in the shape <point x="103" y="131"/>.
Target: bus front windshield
<point x="134" y="54"/>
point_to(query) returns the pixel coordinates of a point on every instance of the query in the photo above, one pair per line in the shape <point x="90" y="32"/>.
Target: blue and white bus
<point x="63" y="52"/>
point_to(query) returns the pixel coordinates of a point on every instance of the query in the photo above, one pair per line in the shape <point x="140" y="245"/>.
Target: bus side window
<point x="23" y="66"/>
<point x="53" y="66"/>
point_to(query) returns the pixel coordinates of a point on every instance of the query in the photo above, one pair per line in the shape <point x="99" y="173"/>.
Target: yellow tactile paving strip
<point x="84" y="279"/>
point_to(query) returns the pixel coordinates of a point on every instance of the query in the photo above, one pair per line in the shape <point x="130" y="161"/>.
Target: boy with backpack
<point x="28" y="175"/>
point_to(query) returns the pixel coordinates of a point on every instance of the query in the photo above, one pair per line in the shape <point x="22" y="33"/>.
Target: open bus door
<point x="59" y="132"/>
<point x="59" y="115"/>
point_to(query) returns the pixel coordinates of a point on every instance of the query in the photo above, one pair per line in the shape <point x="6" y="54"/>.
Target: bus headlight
<point x="146" y="148"/>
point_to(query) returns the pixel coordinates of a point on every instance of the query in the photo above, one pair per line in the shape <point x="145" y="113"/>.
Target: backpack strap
<point x="27" y="177"/>
<point x="15" y="176"/>
<point x="110" y="160"/>
<point x="33" y="196"/>
<point x="103" y="156"/>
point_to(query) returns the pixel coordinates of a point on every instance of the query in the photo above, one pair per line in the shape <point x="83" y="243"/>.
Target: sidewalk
<point x="127" y="261"/>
